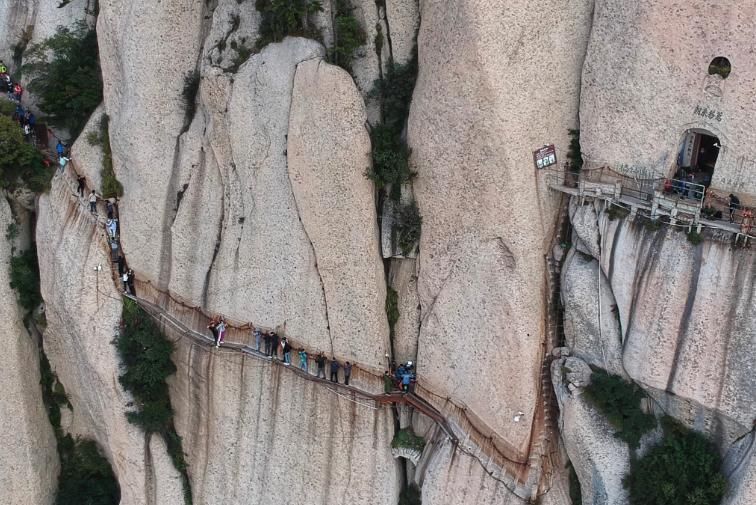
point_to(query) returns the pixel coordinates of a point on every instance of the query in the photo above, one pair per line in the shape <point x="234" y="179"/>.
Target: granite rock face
<point x="487" y="216"/>
<point x="644" y="86"/>
<point x="28" y="458"/>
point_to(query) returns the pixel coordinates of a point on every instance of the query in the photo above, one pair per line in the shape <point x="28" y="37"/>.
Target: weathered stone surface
<point x="15" y="17"/>
<point x="643" y="82"/>
<point x="740" y="469"/>
<point x="599" y="458"/>
<point x="584" y="221"/>
<point x="688" y="314"/>
<point x="87" y="158"/>
<point x="83" y="308"/>
<point x="28" y="458"/>
<point x="147" y="116"/>
<point x="328" y="156"/>
<point x="403" y="279"/>
<point x="234" y="29"/>
<point x="402" y="18"/>
<point x="591" y="332"/>
<point x="486" y="215"/>
<point x="255" y="433"/>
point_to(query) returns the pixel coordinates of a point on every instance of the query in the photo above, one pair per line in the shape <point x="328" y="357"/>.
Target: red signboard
<point x="545" y="156"/>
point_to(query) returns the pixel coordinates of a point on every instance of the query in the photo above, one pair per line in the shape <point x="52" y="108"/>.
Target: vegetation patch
<point x="24" y="278"/>
<point x="392" y="308"/>
<point x="683" y="469"/>
<point x="407" y="227"/>
<point x="408" y="440"/>
<point x="410" y="495"/>
<point x="85" y="475"/>
<point x="280" y="18"/>
<point x="189" y="93"/>
<point x="21" y="164"/>
<point x="65" y="74"/>
<point x="616" y="212"/>
<point x="146" y="358"/>
<point x="574" y="153"/>
<point x="348" y="35"/>
<point x="620" y="402"/>
<point x="694" y="237"/>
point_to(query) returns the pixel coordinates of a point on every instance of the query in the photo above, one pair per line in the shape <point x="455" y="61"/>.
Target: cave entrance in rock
<point x="697" y="157"/>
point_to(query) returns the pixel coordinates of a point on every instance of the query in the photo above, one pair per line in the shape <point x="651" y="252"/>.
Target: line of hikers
<point x="7" y="85"/>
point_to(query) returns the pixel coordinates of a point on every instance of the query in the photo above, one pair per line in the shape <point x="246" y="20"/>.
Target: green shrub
<point x="24" y="275"/>
<point x="111" y="186"/>
<point x="65" y="75"/>
<point x="390" y="161"/>
<point x="348" y="35"/>
<point x="406" y="439"/>
<point x="407" y="227"/>
<point x="620" y="402"/>
<point x="86" y="477"/>
<point x="683" y="469"/>
<point x="189" y="93"/>
<point x="7" y="108"/>
<point x="410" y="495"/>
<point x="652" y="224"/>
<point x="53" y="394"/>
<point x="392" y="308"/>
<point x="280" y="18"/>
<point x="616" y="212"/>
<point x="20" y="163"/>
<point x="242" y="55"/>
<point x="694" y="237"/>
<point x="146" y="358"/>
<point x="11" y="231"/>
<point x="394" y="91"/>
<point x="575" y="153"/>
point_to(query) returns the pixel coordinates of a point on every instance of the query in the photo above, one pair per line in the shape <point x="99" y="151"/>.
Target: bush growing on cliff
<point x="683" y="469"/>
<point x="348" y="35"/>
<point x="86" y="477"/>
<point x="20" y="163"/>
<point x="65" y="74"/>
<point x="146" y="358"/>
<point x="24" y="275"/>
<point x="407" y="227"/>
<point x="390" y="161"/>
<point x="405" y="438"/>
<point x="620" y="402"/>
<point x="285" y="17"/>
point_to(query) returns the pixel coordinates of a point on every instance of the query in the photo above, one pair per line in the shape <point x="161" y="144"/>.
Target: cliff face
<point x="28" y="460"/>
<point x="245" y="194"/>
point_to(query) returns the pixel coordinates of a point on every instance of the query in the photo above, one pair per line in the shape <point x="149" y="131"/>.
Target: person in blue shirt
<point x="60" y="149"/>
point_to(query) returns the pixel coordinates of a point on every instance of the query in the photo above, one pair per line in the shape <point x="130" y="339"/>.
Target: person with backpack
<point x="60" y="149"/>
<point x="734" y="205"/>
<point x="125" y="280"/>
<point x="347" y="372"/>
<point x="17" y="91"/>
<point x="274" y="344"/>
<point x="109" y="209"/>
<point x="335" y="365"/>
<point x="286" y="351"/>
<point x="303" y="359"/>
<point x="111" y="226"/>
<point x="321" y="362"/>
<point x="213" y="327"/>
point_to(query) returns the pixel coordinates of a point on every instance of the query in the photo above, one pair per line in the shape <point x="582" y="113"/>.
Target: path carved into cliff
<point x="479" y="441"/>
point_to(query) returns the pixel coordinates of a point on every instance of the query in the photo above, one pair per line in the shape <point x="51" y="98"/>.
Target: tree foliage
<point x="146" y="358"/>
<point x="65" y="74"/>
<point x="20" y="162"/>
<point x="348" y="35"/>
<point x="683" y="469"/>
<point x="86" y="477"/>
<point x="285" y="17"/>
<point x="620" y="402"/>
<point x="407" y="227"/>
<point x="24" y="275"/>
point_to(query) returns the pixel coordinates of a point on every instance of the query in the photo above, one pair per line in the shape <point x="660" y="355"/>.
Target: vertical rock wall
<point x="478" y="112"/>
<point x="28" y="457"/>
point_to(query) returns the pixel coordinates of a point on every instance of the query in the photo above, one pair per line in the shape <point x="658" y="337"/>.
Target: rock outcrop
<point x="487" y="218"/>
<point x="83" y="309"/>
<point x="599" y="458"/>
<point x="28" y="458"/>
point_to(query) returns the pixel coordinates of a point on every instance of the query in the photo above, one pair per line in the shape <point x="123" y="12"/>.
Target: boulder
<point x="328" y="156"/>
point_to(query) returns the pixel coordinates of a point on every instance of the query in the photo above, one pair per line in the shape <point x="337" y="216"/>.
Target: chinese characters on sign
<point x="705" y="112"/>
<point x="545" y="156"/>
